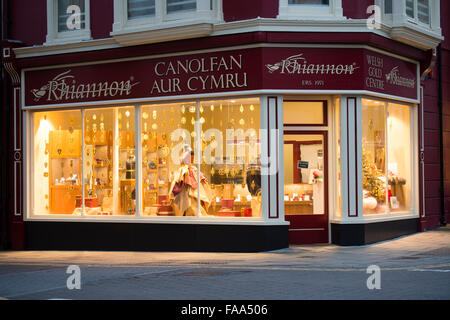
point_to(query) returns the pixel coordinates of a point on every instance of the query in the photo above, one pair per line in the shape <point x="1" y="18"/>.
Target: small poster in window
<point x="394" y="203"/>
<point x="302" y="164"/>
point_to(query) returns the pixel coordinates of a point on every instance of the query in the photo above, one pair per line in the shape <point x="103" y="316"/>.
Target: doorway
<point x="306" y="177"/>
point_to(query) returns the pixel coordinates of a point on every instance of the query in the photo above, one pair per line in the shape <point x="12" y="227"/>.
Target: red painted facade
<point x="26" y="25"/>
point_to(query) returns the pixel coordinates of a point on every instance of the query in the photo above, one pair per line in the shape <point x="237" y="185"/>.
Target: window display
<point x="85" y="160"/>
<point x="56" y="161"/>
<point x="226" y="183"/>
<point x="231" y="156"/>
<point x="386" y="157"/>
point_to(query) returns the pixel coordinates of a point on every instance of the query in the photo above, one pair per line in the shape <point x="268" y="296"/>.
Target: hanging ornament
<point x="128" y="125"/>
<point x="102" y="117"/>
<point x="251" y="121"/>
<point x="183" y="120"/>
<point x="202" y="120"/>
<point x="192" y="121"/>
<point x="220" y="107"/>
<point x="212" y="107"/>
<point x="94" y="117"/>
<point x="252" y="107"/>
<point x="241" y="109"/>
<point x="120" y="116"/>
<point x="201" y="109"/>
<point x="145" y="126"/>
<point x="154" y="126"/>
<point x="154" y="115"/>
<point x="242" y="122"/>
<point x="145" y="115"/>
<point x="192" y="109"/>
<point x="193" y="134"/>
<point x="127" y="114"/>
<point x="183" y="109"/>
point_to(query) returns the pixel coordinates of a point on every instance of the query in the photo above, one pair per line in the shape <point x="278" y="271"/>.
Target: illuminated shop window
<point x="231" y="156"/>
<point x="386" y="157"/>
<point x="226" y="182"/>
<point x="56" y="170"/>
<point x="109" y="161"/>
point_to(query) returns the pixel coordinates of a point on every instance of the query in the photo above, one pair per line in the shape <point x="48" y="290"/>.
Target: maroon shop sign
<point x="307" y="69"/>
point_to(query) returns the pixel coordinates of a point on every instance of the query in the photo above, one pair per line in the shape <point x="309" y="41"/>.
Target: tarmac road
<point x="411" y="267"/>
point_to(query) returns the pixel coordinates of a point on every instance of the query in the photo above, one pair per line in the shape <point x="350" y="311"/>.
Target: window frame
<point x="414" y="194"/>
<point x="57" y="37"/>
<point x="310" y="11"/>
<point x="416" y="19"/>
<point x="30" y="183"/>
<point x="162" y="19"/>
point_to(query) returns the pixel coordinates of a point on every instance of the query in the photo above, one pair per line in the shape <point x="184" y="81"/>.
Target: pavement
<point x="411" y="267"/>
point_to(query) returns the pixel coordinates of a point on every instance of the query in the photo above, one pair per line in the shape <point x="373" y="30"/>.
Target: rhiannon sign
<point x="302" y="69"/>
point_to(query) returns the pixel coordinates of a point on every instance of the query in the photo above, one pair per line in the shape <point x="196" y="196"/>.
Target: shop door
<point x="306" y="186"/>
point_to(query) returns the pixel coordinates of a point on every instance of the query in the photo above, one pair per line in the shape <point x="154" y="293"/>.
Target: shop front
<point x="232" y="149"/>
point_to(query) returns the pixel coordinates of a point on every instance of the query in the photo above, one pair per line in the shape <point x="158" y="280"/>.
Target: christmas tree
<point x="371" y="177"/>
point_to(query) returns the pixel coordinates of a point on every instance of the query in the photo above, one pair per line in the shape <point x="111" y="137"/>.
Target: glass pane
<point x="388" y="6"/>
<point x="399" y="157"/>
<point x="423" y="9"/>
<point x="181" y="5"/>
<point x="140" y="8"/>
<point x="316" y="2"/>
<point x="109" y="162"/>
<point x="230" y="156"/>
<point x="169" y="169"/>
<point x="75" y="19"/>
<point x="410" y="11"/>
<point x="57" y="162"/>
<point x="303" y="112"/>
<point x="374" y="152"/>
<point x="304" y="175"/>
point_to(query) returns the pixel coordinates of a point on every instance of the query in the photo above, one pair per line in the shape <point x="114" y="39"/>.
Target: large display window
<point x="195" y="159"/>
<point x="386" y="157"/>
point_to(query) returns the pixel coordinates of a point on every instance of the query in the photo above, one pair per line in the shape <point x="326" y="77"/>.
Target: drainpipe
<point x="441" y="129"/>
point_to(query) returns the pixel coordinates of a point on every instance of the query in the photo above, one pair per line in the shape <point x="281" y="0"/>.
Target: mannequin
<point x="184" y="188"/>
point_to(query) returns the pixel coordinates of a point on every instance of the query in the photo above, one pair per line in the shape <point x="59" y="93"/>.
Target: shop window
<point x="215" y="176"/>
<point x="109" y="162"/>
<point x="386" y="157"/>
<point x="56" y="166"/>
<point x="307" y="9"/>
<point x="231" y="156"/>
<point x="67" y="21"/>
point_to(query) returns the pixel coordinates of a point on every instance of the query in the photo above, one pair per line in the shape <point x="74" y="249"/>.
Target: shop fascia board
<point x="417" y="37"/>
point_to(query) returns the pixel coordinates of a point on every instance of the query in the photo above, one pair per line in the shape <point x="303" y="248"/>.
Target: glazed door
<point x="306" y="186"/>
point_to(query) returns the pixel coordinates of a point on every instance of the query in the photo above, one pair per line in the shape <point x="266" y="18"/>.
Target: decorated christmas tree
<point x="371" y="177"/>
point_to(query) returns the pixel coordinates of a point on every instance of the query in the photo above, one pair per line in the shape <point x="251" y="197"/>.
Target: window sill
<point x="416" y="35"/>
<point x="81" y="36"/>
<point x="376" y="218"/>
<point x="156" y="219"/>
<point x="135" y="35"/>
